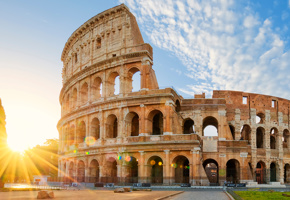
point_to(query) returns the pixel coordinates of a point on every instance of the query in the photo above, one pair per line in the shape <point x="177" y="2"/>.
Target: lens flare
<point x="119" y="157"/>
<point x="152" y="162"/>
<point x="128" y="158"/>
<point x="160" y="163"/>
<point x="90" y="140"/>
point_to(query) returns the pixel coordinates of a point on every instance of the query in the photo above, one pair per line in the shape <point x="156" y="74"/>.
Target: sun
<point x="17" y="145"/>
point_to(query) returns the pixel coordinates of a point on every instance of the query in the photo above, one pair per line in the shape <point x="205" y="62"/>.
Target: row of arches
<point x="102" y="88"/>
<point x="155" y="120"/>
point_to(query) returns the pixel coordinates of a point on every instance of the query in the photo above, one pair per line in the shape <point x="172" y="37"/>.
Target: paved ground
<point x="201" y="195"/>
<point x="89" y="195"/>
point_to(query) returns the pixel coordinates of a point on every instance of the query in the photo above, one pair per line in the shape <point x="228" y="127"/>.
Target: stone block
<point x="119" y="190"/>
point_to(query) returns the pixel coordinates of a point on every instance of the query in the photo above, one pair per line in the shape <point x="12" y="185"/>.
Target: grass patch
<point x="259" y="195"/>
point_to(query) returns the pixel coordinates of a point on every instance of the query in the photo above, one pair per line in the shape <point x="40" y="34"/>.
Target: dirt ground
<point x="89" y="195"/>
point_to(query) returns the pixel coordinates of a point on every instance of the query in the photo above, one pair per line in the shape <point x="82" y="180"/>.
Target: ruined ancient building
<point x="110" y="134"/>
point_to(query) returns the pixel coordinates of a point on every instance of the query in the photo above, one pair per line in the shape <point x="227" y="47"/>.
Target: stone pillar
<point x="75" y="133"/>
<point x="142" y="120"/>
<point x="141" y="168"/>
<point x="238" y="126"/>
<point x="166" y="164"/>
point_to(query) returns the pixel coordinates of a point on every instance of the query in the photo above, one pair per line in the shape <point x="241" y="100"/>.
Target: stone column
<point x="195" y="167"/>
<point x="141" y="168"/>
<point x="166" y="164"/>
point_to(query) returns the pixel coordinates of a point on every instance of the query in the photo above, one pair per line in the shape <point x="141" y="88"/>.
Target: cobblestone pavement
<point x="201" y="195"/>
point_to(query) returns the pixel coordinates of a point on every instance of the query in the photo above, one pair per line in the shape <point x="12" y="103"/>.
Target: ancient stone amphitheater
<point x="153" y="135"/>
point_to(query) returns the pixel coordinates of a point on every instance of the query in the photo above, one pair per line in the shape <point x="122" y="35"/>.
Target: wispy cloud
<point x="222" y="44"/>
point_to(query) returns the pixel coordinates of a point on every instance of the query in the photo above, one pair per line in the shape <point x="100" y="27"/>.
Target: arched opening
<point x="155" y="164"/>
<point x="81" y="132"/>
<point x="111" y="167"/>
<point x="246" y="133"/>
<point x="112" y="126"/>
<point x="135" y="80"/>
<point x="71" y="170"/>
<point x="261" y="172"/>
<point x="132" y="124"/>
<point x="96" y="88"/>
<point x="287" y="173"/>
<point x="188" y="126"/>
<point x="210" y="126"/>
<point x="67" y="103"/>
<point x="232" y="129"/>
<point x="81" y="172"/>
<point x="177" y="106"/>
<point x="95" y="128"/>
<point x="260" y="133"/>
<point x="84" y="93"/>
<point x="273" y="141"/>
<point x="212" y="171"/>
<point x="94" y="171"/>
<point x="156" y="118"/>
<point x="74" y="98"/>
<point x="113" y="84"/>
<point x="233" y="171"/>
<point x="132" y="164"/>
<point x="71" y="137"/>
<point x="273" y="177"/>
<point x="260" y="118"/>
<point x="286" y="138"/>
<point x="181" y="169"/>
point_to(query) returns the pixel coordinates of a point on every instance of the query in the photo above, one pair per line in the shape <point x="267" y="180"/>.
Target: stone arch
<point x="188" y="126"/>
<point x="71" y="171"/>
<point x="98" y="42"/>
<point x="94" y="171"/>
<point x="232" y="129"/>
<point x="74" y="97"/>
<point x="260" y="137"/>
<point x="261" y="172"/>
<point x="111" y="83"/>
<point x="233" y="171"/>
<point x="211" y="168"/>
<point x="155" y="167"/>
<point x="96" y="88"/>
<point x="246" y="133"/>
<point x="210" y="126"/>
<point x="181" y="167"/>
<point x="155" y="119"/>
<point x="260" y="118"/>
<point x="84" y="93"/>
<point x="132" y="167"/>
<point x="111" y="170"/>
<point x="274" y="172"/>
<point x="273" y="138"/>
<point x="134" y="78"/>
<point x="71" y="137"/>
<point x="81" y="133"/>
<point x="286" y="138"/>
<point x="132" y="123"/>
<point x="81" y="171"/>
<point x="287" y="173"/>
<point x="112" y="126"/>
<point x="95" y="128"/>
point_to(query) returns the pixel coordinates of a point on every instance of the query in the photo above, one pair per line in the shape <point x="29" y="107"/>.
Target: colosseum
<point x="111" y="133"/>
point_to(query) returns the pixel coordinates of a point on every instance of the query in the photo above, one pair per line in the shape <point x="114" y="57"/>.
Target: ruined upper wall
<point x="275" y="106"/>
<point x="3" y="135"/>
<point x="111" y="33"/>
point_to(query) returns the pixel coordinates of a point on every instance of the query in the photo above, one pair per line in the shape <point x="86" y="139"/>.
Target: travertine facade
<point x="154" y="135"/>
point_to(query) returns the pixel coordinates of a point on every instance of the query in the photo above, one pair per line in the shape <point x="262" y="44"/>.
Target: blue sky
<point x="198" y="46"/>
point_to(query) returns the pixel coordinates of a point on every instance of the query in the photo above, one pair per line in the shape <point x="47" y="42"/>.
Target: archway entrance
<point x="133" y="169"/>
<point x="156" y="169"/>
<point x="71" y="172"/>
<point x="94" y="171"/>
<point x="181" y="165"/>
<point x="81" y="171"/>
<point x="233" y="171"/>
<point x="287" y="173"/>
<point x="212" y="171"/>
<point x="273" y="177"/>
<point x="111" y="166"/>
<point x="261" y="173"/>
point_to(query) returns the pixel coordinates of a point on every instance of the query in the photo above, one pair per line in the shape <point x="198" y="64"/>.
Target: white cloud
<point x="222" y="44"/>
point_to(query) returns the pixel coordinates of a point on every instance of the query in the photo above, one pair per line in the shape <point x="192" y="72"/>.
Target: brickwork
<point x="154" y="135"/>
